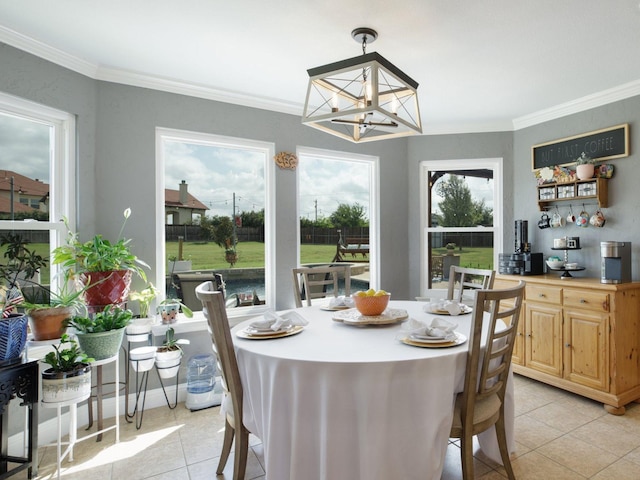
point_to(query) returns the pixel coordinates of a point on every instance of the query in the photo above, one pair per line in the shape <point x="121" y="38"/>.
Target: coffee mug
<point x="557" y="220"/>
<point x="583" y="219"/>
<point x="544" y="221"/>
<point x="597" y="219"/>
<point x="571" y="218"/>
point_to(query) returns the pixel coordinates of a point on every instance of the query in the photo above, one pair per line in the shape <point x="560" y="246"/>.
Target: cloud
<point x="24" y="147"/>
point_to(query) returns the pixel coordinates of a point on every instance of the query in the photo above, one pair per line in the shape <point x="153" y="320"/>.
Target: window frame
<point x="62" y="169"/>
<point x="374" y="202"/>
<point x="268" y="148"/>
<point x="495" y="164"/>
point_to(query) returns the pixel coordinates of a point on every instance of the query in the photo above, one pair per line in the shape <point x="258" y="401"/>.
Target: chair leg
<point x="241" y="451"/>
<point x="504" y="450"/>
<point x="226" y="446"/>
<point x="466" y="452"/>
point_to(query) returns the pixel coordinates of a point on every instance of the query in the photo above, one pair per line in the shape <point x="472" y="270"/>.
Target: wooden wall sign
<point x="605" y="144"/>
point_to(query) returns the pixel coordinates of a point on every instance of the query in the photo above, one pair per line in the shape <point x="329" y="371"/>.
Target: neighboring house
<point x="28" y="194"/>
<point x="180" y="207"/>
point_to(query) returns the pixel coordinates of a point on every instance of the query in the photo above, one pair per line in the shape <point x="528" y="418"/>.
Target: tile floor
<point x="559" y="436"/>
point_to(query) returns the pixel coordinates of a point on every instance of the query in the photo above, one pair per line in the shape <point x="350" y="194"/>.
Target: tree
<point x="458" y="209"/>
<point x="349" y="216"/>
<point x="253" y="219"/>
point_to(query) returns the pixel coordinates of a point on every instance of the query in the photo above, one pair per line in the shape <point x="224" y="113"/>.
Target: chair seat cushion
<point x="485" y="413"/>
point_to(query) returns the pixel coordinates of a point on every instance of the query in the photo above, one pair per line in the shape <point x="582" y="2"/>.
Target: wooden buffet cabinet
<point x="580" y="335"/>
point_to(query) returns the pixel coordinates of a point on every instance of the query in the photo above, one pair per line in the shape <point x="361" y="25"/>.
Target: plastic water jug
<point x="201" y="371"/>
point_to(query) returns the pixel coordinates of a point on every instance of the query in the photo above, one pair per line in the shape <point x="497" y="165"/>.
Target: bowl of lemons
<point x="371" y="302"/>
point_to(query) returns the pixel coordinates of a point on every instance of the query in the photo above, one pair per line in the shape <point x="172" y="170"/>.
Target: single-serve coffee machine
<point x="615" y="262"/>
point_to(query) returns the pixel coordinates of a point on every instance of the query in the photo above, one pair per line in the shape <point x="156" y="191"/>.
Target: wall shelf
<point x="578" y="191"/>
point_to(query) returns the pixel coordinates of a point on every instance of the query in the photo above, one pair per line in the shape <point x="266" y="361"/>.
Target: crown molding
<point x="42" y="50"/>
<point x="199" y="91"/>
<point x="578" y="105"/>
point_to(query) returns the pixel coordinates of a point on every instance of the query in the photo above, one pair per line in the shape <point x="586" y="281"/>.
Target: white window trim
<point x="374" y="203"/>
<point x="495" y="164"/>
<point x="62" y="167"/>
<point x="164" y="134"/>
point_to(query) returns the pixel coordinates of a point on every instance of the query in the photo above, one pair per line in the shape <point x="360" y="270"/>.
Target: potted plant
<point x="450" y="248"/>
<point x="585" y="167"/>
<point x="139" y="328"/>
<point x="223" y="236"/>
<point x="69" y="374"/>
<point x="168" y="310"/>
<point x="100" y="334"/>
<point x="169" y="355"/>
<point x="178" y="264"/>
<point x="105" y="267"/>
<point x="22" y="264"/>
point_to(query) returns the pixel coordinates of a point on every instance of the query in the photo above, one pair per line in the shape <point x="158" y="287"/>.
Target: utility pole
<point x="233" y="219"/>
<point x="12" y="214"/>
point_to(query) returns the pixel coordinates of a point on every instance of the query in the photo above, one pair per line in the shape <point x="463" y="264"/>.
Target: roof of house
<point x="172" y="199"/>
<point x="5" y="206"/>
<point x="22" y="184"/>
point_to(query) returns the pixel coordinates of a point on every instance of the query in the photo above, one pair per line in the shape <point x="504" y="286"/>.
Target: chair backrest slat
<point x="497" y="312"/>
<point x="312" y="282"/>
<point x="215" y="311"/>
<point x="462" y="278"/>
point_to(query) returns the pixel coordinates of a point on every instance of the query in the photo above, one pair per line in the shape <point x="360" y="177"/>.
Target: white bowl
<point x="555" y="263"/>
<point x="571" y="265"/>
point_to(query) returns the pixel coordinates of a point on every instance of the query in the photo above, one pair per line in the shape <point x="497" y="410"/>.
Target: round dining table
<point x="337" y="401"/>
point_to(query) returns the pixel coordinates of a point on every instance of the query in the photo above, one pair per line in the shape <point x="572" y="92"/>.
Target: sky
<point x="24" y="147"/>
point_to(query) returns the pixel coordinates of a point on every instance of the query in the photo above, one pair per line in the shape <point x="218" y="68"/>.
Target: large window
<point x="338" y="211"/>
<point x="215" y="215"/>
<point x="462" y="217"/>
<point x="37" y="175"/>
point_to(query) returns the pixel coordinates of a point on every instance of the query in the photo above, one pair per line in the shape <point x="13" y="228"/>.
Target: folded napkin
<point x="271" y="320"/>
<point x="436" y="328"/>
<point x="454" y="308"/>
<point x="341" y="301"/>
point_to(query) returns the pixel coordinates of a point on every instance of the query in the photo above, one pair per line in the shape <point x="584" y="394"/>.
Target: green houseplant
<point x="168" y="309"/>
<point x="100" y="334"/>
<point x="105" y="267"/>
<point x="69" y="374"/>
<point x="169" y="354"/>
<point x="138" y="330"/>
<point x="47" y="309"/>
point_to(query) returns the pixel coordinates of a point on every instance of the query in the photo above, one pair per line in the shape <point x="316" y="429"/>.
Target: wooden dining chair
<point x="462" y="278"/>
<point x="213" y="306"/>
<point x="481" y="404"/>
<point x="312" y="282"/>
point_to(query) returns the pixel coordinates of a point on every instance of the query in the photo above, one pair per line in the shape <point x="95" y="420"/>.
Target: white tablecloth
<point x="343" y="402"/>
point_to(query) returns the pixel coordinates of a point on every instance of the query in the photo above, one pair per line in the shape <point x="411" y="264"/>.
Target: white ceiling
<point x="482" y="65"/>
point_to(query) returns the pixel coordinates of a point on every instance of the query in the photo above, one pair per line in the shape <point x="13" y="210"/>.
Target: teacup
<point x="571" y="218"/>
<point x="597" y="219"/>
<point x="560" y="242"/>
<point x="583" y="219"/>
<point x="557" y="220"/>
<point x="544" y="221"/>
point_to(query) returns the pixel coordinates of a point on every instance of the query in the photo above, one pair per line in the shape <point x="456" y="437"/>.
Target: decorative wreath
<point x="286" y="160"/>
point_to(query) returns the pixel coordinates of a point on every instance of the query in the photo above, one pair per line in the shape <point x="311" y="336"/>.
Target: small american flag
<point x="9" y="298"/>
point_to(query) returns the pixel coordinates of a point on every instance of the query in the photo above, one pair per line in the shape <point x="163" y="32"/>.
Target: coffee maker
<point x="615" y="258"/>
<point x="522" y="261"/>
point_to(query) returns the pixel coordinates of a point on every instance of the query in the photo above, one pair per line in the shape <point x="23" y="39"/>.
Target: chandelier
<point x="363" y="98"/>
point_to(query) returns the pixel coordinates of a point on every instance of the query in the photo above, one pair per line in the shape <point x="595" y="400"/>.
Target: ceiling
<point x="487" y="65"/>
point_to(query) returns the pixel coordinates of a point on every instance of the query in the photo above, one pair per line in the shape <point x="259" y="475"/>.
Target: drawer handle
<point x="541" y="295"/>
<point x="567" y="345"/>
<point x="528" y="335"/>
<point x="582" y="300"/>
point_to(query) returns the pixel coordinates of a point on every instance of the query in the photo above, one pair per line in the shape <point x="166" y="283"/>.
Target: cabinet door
<point x="543" y="338"/>
<point x="586" y="340"/>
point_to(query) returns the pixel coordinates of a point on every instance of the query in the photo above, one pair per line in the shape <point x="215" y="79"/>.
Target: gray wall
<point x="622" y="217"/>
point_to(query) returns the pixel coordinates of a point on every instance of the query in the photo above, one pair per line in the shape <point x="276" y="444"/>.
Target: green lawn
<point x="480" y="257"/>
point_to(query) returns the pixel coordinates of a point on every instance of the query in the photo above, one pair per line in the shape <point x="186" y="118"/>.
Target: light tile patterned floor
<point x="559" y="436"/>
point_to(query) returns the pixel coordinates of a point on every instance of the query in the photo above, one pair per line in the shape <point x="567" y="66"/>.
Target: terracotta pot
<point x="48" y="323"/>
<point x="585" y="172"/>
<point x="107" y="288"/>
<point x="65" y="386"/>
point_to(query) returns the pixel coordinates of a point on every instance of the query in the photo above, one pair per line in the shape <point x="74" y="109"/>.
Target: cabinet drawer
<point x="586" y="299"/>
<point x="538" y="293"/>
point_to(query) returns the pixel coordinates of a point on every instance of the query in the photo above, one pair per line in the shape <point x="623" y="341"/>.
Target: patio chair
<point x="312" y="282"/>
<point x="481" y="404"/>
<point x="213" y="305"/>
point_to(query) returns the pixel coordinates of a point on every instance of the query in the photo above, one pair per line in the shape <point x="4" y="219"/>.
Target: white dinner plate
<point x="428" y="339"/>
<point x="265" y="330"/>
<point x="464" y="309"/>
<point x="253" y="335"/>
<point x="460" y="339"/>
